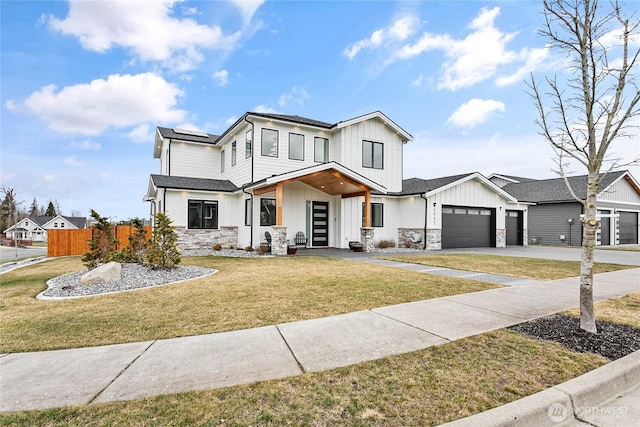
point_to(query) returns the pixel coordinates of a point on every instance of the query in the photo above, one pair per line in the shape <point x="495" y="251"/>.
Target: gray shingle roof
<point x="171" y="134"/>
<point x="420" y="186"/>
<point x="555" y="190"/>
<point x="77" y="221"/>
<point x="295" y="119"/>
<point x="185" y="183"/>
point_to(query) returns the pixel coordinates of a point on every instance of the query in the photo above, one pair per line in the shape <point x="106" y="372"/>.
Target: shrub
<point x="386" y="243"/>
<point x="103" y="244"/>
<point x="248" y="248"/>
<point x="138" y="242"/>
<point x="217" y="247"/>
<point x="162" y="251"/>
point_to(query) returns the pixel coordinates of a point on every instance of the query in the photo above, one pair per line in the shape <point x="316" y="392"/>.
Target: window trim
<point x="202" y="202"/>
<point x="325" y="151"/>
<point x="262" y="152"/>
<point x="234" y="151"/>
<point x="302" y="152"/>
<point x="372" y="162"/>
<point x="373" y="222"/>
<point x="248" y="144"/>
<point x="264" y="224"/>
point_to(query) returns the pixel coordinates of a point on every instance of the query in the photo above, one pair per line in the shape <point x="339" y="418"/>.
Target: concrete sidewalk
<point x="130" y="371"/>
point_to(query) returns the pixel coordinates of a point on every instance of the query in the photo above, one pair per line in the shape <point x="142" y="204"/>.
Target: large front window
<point x="377" y="215"/>
<point x="203" y="214"/>
<point x="321" y="150"/>
<point x="267" y="212"/>
<point x="372" y="154"/>
<point x="296" y="146"/>
<point x="269" y="142"/>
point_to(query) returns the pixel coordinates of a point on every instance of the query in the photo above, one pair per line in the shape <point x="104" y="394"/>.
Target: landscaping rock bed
<point x="134" y="276"/>
<point x="612" y="341"/>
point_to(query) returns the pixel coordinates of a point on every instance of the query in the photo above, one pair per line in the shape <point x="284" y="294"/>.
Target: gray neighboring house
<point x="554" y="216"/>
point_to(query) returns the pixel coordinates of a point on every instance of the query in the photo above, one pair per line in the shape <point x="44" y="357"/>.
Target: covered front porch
<point x="322" y="202"/>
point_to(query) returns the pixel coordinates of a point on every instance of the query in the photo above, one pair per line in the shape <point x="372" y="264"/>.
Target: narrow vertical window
<point x="321" y="150"/>
<point x="248" y="145"/>
<point x="233" y="153"/>
<point x="247" y="211"/>
<point x="372" y="155"/>
<point x="269" y="143"/>
<point x="222" y="161"/>
<point x="296" y="146"/>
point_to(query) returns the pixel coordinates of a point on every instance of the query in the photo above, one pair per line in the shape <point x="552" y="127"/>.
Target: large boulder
<point x="104" y="274"/>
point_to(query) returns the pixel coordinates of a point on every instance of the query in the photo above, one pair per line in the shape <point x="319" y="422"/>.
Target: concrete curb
<point x="560" y="403"/>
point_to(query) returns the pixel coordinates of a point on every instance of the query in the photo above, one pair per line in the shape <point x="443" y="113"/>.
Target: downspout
<point x="426" y="217"/>
<point x="253" y="147"/>
<point x="169" y="158"/>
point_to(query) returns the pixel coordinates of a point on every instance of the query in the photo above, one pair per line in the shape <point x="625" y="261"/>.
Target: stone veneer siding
<point x="279" y="241"/>
<point x="367" y="235"/>
<point x="411" y="238"/>
<point x="227" y="236"/>
<point x="434" y="239"/>
<point x="501" y="238"/>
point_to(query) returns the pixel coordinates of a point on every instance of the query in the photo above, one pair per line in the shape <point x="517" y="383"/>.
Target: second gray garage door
<point x="628" y="228"/>
<point x="468" y="227"/>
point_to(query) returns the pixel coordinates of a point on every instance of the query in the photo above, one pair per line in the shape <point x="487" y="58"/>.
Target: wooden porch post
<point x="279" y="203"/>
<point x="367" y="208"/>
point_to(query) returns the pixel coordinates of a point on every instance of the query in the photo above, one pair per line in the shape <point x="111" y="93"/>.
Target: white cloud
<point x="247" y="8"/>
<point x="87" y="145"/>
<point x="475" y="112"/>
<point x="418" y="81"/>
<point x="72" y="161"/>
<point x="265" y="109"/>
<point x="141" y="133"/>
<point x="221" y="77"/>
<point x="533" y="58"/>
<point x="231" y="120"/>
<point x="146" y="28"/>
<point x="296" y="94"/>
<point x="119" y="101"/>
<point x="10" y="105"/>
<point x="399" y="30"/>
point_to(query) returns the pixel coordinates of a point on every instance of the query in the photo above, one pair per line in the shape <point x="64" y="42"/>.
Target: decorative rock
<point x="106" y="273"/>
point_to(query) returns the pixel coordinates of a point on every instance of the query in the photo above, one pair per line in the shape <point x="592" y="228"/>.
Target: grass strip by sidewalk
<point x="426" y="387"/>
<point x="530" y="268"/>
<point x="245" y="293"/>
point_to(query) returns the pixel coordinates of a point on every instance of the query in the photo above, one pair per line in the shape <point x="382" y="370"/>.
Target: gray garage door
<point x="467" y="227"/>
<point x="628" y="228"/>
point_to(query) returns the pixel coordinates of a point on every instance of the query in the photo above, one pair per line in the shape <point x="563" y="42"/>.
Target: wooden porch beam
<point x="279" y="203"/>
<point x="367" y="208"/>
<point x="263" y="190"/>
<point x="349" y="195"/>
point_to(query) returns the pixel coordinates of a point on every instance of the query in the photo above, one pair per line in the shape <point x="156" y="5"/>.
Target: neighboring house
<point x="554" y="217"/>
<point x="334" y="183"/>
<point x="35" y="228"/>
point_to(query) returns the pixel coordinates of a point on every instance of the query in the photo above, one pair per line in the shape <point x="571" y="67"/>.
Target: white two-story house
<point x="334" y="183"/>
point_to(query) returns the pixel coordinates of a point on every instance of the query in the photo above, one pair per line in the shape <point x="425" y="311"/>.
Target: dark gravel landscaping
<point x="612" y="341"/>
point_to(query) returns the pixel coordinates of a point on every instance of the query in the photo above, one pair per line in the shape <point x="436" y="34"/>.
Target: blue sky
<point x="85" y="83"/>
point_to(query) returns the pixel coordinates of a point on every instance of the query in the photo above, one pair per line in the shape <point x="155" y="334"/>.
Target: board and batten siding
<point x="547" y="222"/>
<point x="266" y="166"/>
<point x="230" y="206"/>
<point x="351" y="140"/>
<point x="621" y="192"/>
<point x="240" y="174"/>
<point x="194" y="160"/>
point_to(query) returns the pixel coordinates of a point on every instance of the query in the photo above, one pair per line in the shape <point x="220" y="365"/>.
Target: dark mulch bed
<point x="612" y="341"/>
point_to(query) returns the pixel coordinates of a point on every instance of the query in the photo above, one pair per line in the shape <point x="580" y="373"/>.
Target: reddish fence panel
<point x="74" y="242"/>
<point x="68" y="242"/>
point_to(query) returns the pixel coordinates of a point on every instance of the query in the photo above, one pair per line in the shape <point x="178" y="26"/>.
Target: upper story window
<point x="233" y="153"/>
<point x="55" y="225"/>
<point x="62" y="225"/>
<point x="372" y="154"/>
<point x="296" y="146"/>
<point x="222" y="156"/>
<point x="248" y="145"/>
<point x="321" y="150"/>
<point x="269" y="142"/>
<point x="203" y="214"/>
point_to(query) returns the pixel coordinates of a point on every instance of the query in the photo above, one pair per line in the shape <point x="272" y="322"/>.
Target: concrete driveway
<point x="555" y="252"/>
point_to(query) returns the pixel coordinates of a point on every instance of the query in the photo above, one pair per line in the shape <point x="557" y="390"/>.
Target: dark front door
<point x="605" y="229"/>
<point x="514" y="224"/>
<point x="628" y="228"/>
<point x="320" y="224"/>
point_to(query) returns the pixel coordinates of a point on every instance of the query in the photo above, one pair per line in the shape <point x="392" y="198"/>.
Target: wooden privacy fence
<point x="75" y="242"/>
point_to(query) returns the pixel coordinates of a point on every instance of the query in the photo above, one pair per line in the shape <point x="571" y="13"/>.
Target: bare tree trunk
<point x="590" y="226"/>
